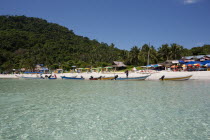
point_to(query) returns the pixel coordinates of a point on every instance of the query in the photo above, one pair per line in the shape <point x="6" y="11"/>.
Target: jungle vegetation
<point x="27" y="41"/>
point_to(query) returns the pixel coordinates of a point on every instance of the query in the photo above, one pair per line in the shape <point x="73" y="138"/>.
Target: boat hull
<point x="31" y="78"/>
<point x="94" y="79"/>
<point x="133" y="78"/>
<point x="52" y="78"/>
<point x="177" y="78"/>
<point x="72" y="78"/>
<point x="107" y="78"/>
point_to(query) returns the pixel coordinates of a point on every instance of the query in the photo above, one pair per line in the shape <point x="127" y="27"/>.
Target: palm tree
<point x="165" y="51"/>
<point x="144" y="54"/>
<point x="153" y="55"/>
<point x="176" y="51"/>
<point x="133" y="57"/>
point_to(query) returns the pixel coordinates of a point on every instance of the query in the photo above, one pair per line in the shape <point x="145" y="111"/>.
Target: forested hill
<point x="26" y="41"/>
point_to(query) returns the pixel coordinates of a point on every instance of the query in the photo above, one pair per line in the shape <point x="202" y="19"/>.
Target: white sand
<point x="198" y="75"/>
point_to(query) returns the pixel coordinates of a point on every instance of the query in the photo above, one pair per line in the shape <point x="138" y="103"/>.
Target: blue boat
<point x="72" y="78"/>
<point x="32" y="77"/>
<point x="52" y="78"/>
<point x="132" y="78"/>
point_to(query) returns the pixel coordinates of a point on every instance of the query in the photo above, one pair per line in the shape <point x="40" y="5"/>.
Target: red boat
<point x="98" y="78"/>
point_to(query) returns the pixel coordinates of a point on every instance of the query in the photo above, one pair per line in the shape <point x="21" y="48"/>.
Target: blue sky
<point x="125" y="23"/>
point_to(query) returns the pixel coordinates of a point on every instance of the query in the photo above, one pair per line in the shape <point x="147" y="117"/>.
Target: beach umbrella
<point x="181" y="62"/>
<point x="184" y="66"/>
<point x="73" y="66"/>
<point x="174" y="66"/>
<point x="197" y="64"/>
<point x="134" y="69"/>
<point x="205" y="62"/>
<point x="148" y="66"/>
<point x="189" y="65"/>
<point x="156" y="65"/>
<point x="207" y="65"/>
<point x="193" y="62"/>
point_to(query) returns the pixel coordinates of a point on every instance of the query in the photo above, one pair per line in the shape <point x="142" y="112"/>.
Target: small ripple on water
<point x="62" y="109"/>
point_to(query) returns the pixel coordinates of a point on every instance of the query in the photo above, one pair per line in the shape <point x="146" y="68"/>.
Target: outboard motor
<point x="115" y="77"/>
<point x="162" y="77"/>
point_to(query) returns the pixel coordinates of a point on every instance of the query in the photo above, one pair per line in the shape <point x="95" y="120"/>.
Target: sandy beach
<point x="196" y="75"/>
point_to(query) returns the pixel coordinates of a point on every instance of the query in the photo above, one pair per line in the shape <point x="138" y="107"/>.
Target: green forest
<point x="27" y="41"/>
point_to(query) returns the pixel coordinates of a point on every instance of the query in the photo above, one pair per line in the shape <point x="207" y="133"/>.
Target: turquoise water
<point x="109" y="110"/>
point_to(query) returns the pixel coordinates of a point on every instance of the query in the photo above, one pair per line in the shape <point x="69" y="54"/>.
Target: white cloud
<point x="190" y="1"/>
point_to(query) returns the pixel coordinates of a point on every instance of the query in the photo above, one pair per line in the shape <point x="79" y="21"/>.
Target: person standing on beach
<point x="126" y="72"/>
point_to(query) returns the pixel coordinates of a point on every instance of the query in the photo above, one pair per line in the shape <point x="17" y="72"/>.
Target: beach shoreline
<point x="196" y="75"/>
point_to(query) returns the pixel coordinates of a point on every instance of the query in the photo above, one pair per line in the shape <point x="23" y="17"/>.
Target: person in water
<point x="126" y="72"/>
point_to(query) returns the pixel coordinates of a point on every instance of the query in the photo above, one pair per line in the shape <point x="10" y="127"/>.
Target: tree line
<point x="27" y="41"/>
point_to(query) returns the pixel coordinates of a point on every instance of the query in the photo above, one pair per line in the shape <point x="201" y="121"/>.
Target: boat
<point x="31" y="77"/>
<point x="180" y="78"/>
<point x="92" y="78"/>
<point x="101" y="78"/>
<point x="52" y="77"/>
<point x="106" y="78"/>
<point x="72" y="78"/>
<point x="132" y="78"/>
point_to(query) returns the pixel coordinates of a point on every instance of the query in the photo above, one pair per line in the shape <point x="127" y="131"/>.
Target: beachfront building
<point x="118" y="65"/>
<point x="196" y="58"/>
<point x="168" y="63"/>
<point x="41" y="68"/>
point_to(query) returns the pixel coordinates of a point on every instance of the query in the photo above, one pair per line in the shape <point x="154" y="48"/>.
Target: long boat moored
<point x="72" y="78"/>
<point x="31" y="77"/>
<point x="132" y="78"/>
<point x="101" y="78"/>
<point x="181" y="78"/>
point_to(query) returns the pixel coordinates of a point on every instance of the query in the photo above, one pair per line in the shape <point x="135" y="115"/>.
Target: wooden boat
<point x="106" y="78"/>
<point x="72" y="78"/>
<point x="92" y="78"/>
<point x="180" y="78"/>
<point x="101" y="78"/>
<point x="132" y="78"/>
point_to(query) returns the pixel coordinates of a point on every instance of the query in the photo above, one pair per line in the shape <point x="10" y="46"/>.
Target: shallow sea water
<point x="104" y="110"/>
